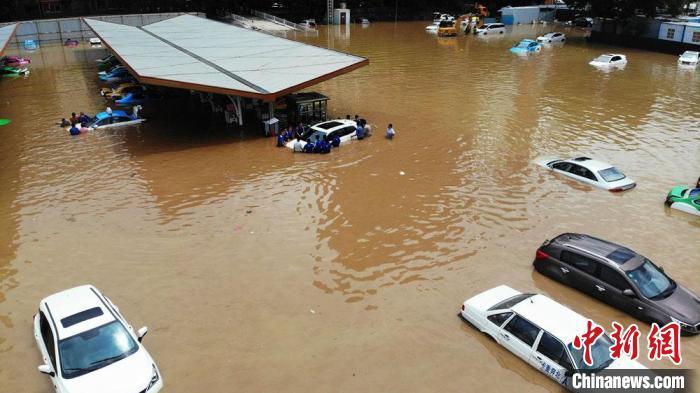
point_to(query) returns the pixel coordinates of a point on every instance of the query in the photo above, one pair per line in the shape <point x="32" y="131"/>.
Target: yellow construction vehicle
<point x="447" y="29"/>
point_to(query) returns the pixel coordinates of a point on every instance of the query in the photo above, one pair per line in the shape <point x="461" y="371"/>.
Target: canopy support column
<point x="234" y="111"/>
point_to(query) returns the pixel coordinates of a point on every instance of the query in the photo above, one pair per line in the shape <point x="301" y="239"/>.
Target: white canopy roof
<point x="6" y="33"/>
<point x="205" y="55"/>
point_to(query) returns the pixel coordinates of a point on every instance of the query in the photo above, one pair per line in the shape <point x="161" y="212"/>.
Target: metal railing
<point x="284" y="22"/>
<point x="248" y="23"/>
<point x="240" y="19"/>
<point x="59" y="30"/>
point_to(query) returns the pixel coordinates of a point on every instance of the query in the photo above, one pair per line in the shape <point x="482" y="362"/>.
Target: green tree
<point x="624" y="9"/>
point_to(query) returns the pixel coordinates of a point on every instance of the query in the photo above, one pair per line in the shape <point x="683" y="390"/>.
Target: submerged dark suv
<point x="620" y="277"/>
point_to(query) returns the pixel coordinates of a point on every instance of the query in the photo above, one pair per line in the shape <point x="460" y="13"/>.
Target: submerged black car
<point x="620" y="277"/>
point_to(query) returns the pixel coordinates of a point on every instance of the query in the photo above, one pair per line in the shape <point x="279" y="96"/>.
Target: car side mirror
<point x="629" y="293"/>
<point x="46" y="369"/>
<point x="142" y="333"/>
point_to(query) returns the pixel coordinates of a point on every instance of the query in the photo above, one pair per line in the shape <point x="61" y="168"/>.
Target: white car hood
<point x="624" y="363"/>
<point x="129" y="375"/>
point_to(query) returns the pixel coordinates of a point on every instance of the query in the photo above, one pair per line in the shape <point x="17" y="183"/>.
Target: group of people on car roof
<point x="76" y="123"/>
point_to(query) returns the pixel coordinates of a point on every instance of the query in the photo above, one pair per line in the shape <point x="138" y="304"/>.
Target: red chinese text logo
<point x="625" y="341"/>
<point x="665" y="342"/>
<point x="587" y="339"/>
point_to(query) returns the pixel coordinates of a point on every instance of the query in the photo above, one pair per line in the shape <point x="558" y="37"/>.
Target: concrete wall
<point x="691" y="31"/>
<point x="680" y="33"/>
<point x="671" y="32"/>
<point x="59" y="30"/>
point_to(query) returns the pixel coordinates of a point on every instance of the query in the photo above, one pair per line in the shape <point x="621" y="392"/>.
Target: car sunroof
<point x="329" y="125"/>
<point x="621" y="255"/>
<point x="81" y="316"/>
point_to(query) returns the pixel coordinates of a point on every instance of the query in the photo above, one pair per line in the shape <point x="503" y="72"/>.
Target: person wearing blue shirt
<point x="336" y="140"/>
<point x="74" y="130"/>
<point x="390" y="132"/>
<point x="318" y="144"/>
<point x="290" y="134"/>
<point x="84" y="118"/>
<point x="360" y="131"/>
<point x="309" y="147"/>
<point x="280" y="140"/>
<point x="326" y="147"/>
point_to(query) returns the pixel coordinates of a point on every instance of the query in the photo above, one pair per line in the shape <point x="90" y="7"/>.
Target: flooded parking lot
<point x="260" y="270"/>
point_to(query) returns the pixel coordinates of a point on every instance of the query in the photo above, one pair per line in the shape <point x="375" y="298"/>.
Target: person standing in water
<point x="367" y="127"/>
<point x="360" y="131"/>
<point x="74" y="130"/>
<point x="298" y="147"/>
<point x="390" y="132"/>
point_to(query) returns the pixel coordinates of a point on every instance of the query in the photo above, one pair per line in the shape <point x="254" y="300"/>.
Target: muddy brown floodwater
<point x="263" y="271"/>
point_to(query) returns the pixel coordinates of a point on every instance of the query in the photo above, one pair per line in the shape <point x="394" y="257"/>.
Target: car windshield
<point x="94" y="349"/>
<point x="603" y="59"/>
<point x="522" y="44"/>
<point x="611" y="174"/>
<point x="600" y="354"/>
<point x="311" y="134"/>
<point x="652" y="282"/>
<point x="694" y="193"/>
<point x="93" y="122"/>
<point x="689" y="56"/>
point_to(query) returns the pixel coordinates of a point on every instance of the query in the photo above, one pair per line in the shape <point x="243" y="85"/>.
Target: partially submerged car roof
<point x="557" y="319"/>
<point x="332" y="125"/>
<point x="592" y="244"/>
<point x="615" y="254"/>
<point x="103" y="115"/>
<point x="594" y="165"/>
<point x="76" y="310"/>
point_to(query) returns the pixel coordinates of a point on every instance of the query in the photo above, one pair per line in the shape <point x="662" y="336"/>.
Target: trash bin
<point x="271" y="126"/>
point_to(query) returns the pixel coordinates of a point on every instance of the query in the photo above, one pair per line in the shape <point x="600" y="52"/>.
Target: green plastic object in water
<point x="4" y="122"/>
<point x="7" y="70"/>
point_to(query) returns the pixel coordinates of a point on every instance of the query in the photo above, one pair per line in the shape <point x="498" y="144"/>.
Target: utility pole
<point x="329" y="11"/>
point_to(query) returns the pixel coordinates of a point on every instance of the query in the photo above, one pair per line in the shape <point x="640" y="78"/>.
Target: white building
<point x="341" y="16"/>
<point x="686" y="32"/>
<point x="529" y="14"/>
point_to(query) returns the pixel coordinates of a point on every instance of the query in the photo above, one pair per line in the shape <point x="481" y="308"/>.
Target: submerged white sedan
<point x="87" y="345"/>
<point x="539" y="331"/>
<point x="550" y="38"/>
<point x="689" y="58"/>
<point x="593" y="172"/>
<point x="609" y="60"/>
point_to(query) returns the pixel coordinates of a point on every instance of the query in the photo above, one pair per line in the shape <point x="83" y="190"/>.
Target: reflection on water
<point x="224" y="243"/>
